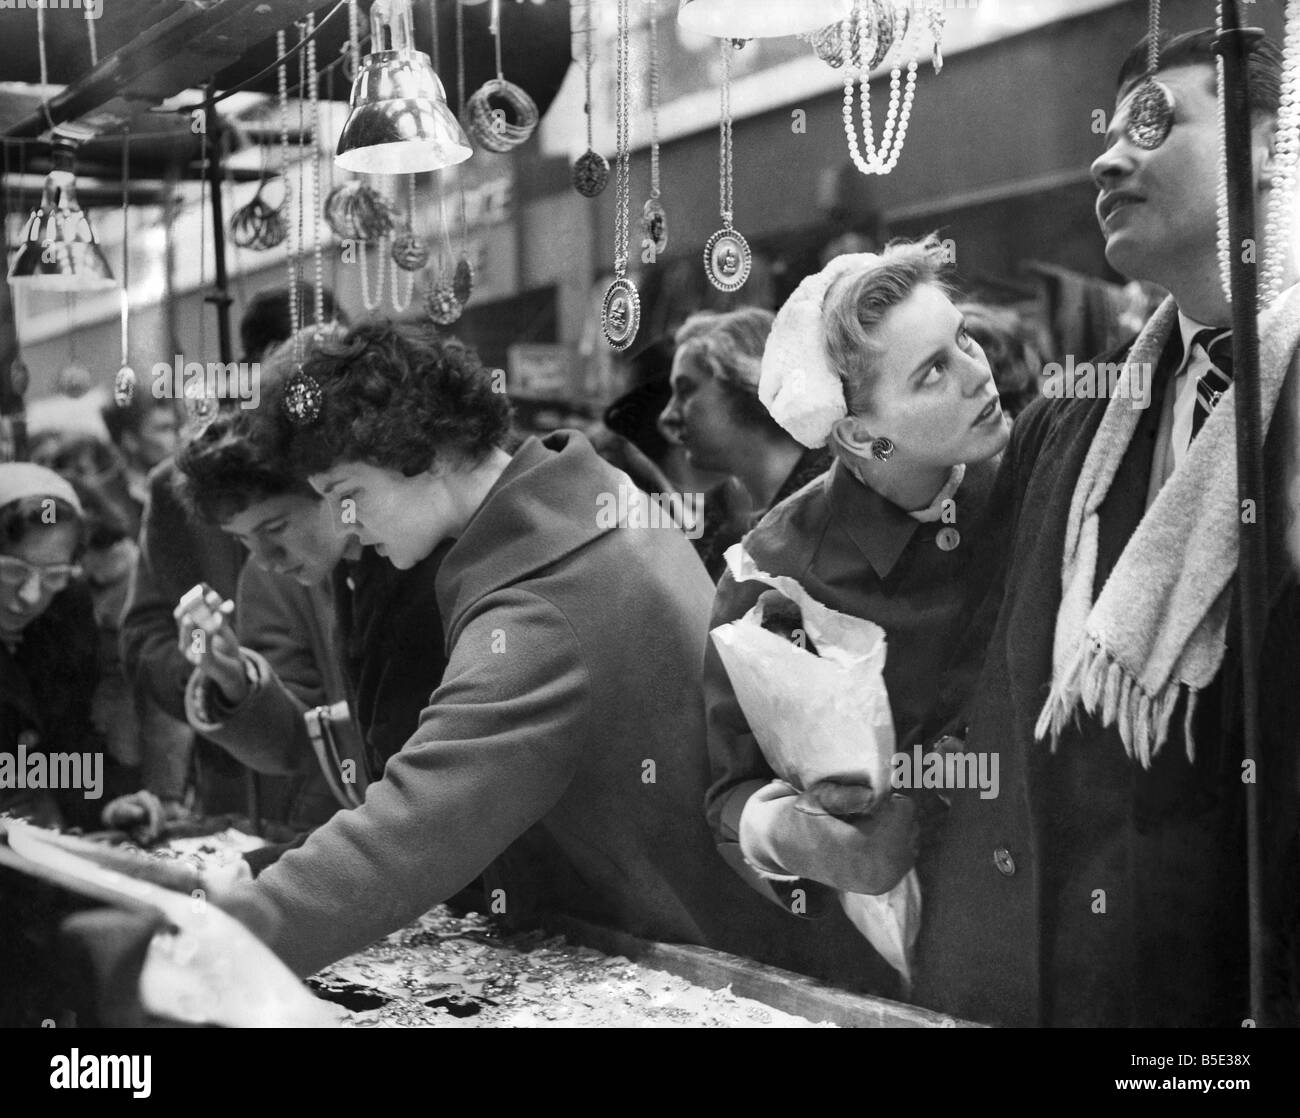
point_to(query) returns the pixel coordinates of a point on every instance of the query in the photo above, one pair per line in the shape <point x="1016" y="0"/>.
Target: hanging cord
<point x="280" y="61"/>
<point x="460" y="59"/>
<point x="126" y="255"/>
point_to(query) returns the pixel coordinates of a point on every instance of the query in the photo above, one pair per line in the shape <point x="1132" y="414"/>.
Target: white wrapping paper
<point x="822" y="716"/>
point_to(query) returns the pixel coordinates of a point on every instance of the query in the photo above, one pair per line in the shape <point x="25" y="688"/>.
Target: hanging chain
<point x="724" y="135"/>
<point x="460" y="58"/>
<point x="318" y="248"/>
<point x="591" y="30"/>
<point x="302" y="205"/>
<point x="1153" y="36"/>
<point x="623" y="186"/>
<point x="126" y="255"/>
<point x="354" y="35"/>
<point x="654" y="100"/>
<point x="282" y="75"/>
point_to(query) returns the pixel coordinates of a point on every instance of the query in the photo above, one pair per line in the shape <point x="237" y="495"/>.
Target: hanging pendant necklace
<point x="124" y="383"/>
<point x="654" y="221"/>
<point x="591" y="169"/>
<point x="621" y="311"/>
<point x="727" y="258"/>
<point x="302" y="392"/>
<point x="440" y="299"/>
<point x="1151" y="105"/>
<point x="410" y="251"/>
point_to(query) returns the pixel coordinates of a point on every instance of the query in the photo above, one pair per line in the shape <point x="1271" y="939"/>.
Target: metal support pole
<point x="220" y="298"/>
<point x="1233" y="44"/>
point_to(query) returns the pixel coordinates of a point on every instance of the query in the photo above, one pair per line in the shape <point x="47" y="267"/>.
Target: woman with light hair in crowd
<point x="871" y="358"/>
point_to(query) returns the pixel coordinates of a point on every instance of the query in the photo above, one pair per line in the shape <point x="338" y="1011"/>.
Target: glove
<point x="866" y="854"/>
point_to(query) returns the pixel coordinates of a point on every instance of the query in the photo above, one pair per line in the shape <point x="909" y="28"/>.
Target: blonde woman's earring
<point x="882" y="449"/>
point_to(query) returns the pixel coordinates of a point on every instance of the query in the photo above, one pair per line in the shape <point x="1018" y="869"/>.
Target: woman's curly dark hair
<point x="240" y="458"/>
<point x="400" y="397"/>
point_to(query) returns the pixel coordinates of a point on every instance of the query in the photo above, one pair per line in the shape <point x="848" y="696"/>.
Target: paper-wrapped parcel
<point x="820" y="715"/>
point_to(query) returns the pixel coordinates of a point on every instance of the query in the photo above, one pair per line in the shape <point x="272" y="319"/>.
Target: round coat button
<point x="948" y="538"/>
<point x="1005" y="863"/>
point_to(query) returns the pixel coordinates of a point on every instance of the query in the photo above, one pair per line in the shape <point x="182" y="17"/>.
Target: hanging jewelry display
<point x="861" y="40"/>
<point x="410" y="251"/>
<point x="1151" y="105"/>
<point x="1279" y="216"/>
<point x="462" y="282"/>
<point x="302" y="393"/>
<point x="654" y="221"/>
<point x="885" y="23"/>
<point x="591" y="169"/>
<point x="440" y="299"/>
<point x="500" y="115"/>
<point x="124" y="382"/>
<point x="727" y="259"/>
<point x="317" y="132"/>
<point x="257" y="224"/>
<point x="620" y="316"/>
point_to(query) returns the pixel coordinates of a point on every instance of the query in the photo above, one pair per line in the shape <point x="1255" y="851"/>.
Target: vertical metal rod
<point x="220" y="298"/>
<point x="1234" y="43"/>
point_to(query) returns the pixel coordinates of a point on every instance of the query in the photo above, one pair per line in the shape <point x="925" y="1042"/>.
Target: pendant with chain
<point x="654" y="220"/>
<point x="1151" y="105"/>
<point x="302" y="392"/>
<point x="620" y="316"/>
<point x="591" y="169"/>
<point x="727" y="259"/>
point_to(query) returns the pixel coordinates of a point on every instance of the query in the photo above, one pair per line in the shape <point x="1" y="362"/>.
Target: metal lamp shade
<point x="759" y="19"/>
<point x="59" y="251"/>
<point x="399" y="122"/>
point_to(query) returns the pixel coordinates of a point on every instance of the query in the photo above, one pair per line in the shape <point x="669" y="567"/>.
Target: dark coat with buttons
<point x="1090" y="892"/>
<point x="858" y="553"/>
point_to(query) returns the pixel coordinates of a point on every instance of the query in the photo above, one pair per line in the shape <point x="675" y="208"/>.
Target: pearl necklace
<point x="882" y="160"/>
<point x="1280" y="211"/>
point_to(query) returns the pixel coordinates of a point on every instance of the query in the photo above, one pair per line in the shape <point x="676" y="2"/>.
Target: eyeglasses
<point x="15" y="572"/>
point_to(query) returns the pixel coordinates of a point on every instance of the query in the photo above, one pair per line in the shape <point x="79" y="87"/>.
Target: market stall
<point x="494" y="262"/>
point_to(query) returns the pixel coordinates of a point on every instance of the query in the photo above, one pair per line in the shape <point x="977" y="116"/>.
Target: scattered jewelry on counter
<point x="460" y="972"/>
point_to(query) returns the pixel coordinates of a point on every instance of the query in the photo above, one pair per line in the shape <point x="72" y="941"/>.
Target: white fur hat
<point x="797" y="385"/>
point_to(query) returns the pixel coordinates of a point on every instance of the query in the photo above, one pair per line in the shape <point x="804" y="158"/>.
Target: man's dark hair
<point x="266" y="320"/>
<point x="396" y="396"/>
<point x="239" y="459"/>
<point x="1196" y="48"/>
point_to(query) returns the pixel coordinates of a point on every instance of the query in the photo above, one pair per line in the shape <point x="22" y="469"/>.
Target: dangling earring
<point x="882" y="449"/>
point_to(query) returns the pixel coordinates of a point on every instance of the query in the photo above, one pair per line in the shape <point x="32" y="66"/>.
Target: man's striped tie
<point x="1217" y="379"/>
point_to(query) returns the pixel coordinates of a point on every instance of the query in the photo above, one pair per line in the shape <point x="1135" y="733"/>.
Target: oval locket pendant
<point x="620" y="315"/>
<point x="727" y="259"/>
<point x="590" y="174"/>
<point x="654" y="226"/>
<point x="1150" y="115"/>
